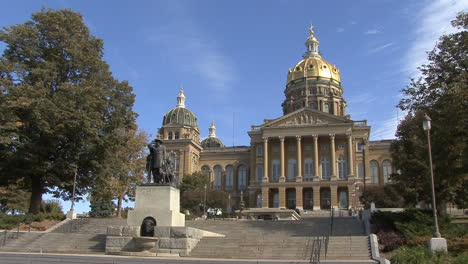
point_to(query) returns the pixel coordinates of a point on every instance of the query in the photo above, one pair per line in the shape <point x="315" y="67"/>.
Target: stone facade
<point x="313" y="157"/>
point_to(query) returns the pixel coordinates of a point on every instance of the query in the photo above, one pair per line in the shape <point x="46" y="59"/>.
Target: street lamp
<point x="427" y="127"/>
<point x="72" y="214"/>
<point x="204" y="202"/>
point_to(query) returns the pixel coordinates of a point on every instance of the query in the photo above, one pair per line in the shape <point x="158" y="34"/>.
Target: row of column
<point x="352" y="201"/>
<point x="316" y="159"/>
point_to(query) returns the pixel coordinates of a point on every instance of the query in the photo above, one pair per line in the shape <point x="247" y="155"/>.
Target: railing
<point x="320" y="242"/>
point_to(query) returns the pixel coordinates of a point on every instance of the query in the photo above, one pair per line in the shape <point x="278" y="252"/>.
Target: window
<point x="374" y="171"/>
<point x="292" y="169"/>
<point x="313" y="105"/>
<point x="309" y="169"/>
<point x="275" y="200"/>
<point x="169" y="136"/>
<point x="325" y="163"/>
<point x="217" y="178"/>
<point x="242" y="177"/>
<point x="324" y="146"/>
<point x="205" y="170"/>
<point x="359" y="146"/>
<point x="342" y="167"/>
<point x="360" y="170"/>
<point x="259" y="173"/>
<point x="259" y="150"/>
<point x="291" y="148"/>
<point x="174" y="161"/>
<point x="325" y="108"/>
<point x="176" y="135"/>
<point x="275" y="148"/>
<point x="275" y="169"/>
<point x="259" y="200"/>
<point x="341" y="146"/>
<point x="307" y="147"/>
<point x="387" y="170"/>
<point x="229" y="177"/>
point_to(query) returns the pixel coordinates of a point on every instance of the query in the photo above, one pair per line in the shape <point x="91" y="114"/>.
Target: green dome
<point x="180" y="116"/>
<point x="212" y="142"/>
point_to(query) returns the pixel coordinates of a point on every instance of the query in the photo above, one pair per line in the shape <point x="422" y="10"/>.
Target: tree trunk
<point x="36" y="195"/>
<point x="119" y="207"/>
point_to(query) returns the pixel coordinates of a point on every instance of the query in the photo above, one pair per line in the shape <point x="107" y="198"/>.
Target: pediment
<point x="305" y="117"/>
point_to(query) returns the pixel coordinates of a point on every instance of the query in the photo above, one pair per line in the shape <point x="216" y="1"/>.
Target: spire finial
<point x="181" y="98"/>
<point x="311" y="29"/>
<point x="212" y="129"/>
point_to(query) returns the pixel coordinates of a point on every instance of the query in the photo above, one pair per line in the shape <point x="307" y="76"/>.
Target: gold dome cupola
<point x="314" y="83"/>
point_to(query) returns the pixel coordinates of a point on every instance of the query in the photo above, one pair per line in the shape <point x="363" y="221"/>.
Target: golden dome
<point x="314" y="67"/>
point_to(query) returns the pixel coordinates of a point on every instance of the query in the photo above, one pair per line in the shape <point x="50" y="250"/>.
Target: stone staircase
<point x="75" y="236"/>
<point x="290" y="240"/>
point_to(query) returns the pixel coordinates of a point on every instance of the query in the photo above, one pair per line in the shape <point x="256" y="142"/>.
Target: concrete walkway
<point x="35" y="258"/>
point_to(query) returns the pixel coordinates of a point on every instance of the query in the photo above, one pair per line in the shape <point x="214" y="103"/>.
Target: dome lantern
<point x="212" y="130"/>
<point x="312" y="45"/>
<point x="181" y="98"/>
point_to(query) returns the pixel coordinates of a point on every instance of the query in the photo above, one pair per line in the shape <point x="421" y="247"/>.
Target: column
<point x="299" y="160"/>
<point x="265" y="193"/>
<point x="365" y="159"/>
<point x="265" y="159"/>
<point x="350" y="156"/>
<point x="316" y="157"/>
<point x="334" y="196"/>
<point x="282" y="175"/>
<point x="282" y="197"/>
<point x="299" y="196"/>
<point x="316" y="198"/>
<point x="333" y="157"/>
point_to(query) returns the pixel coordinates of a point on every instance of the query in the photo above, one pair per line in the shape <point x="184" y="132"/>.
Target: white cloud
<point x="380" y="48"/>
<point x="361" y="98"/>
<point x="432" y="21"/>
<point x="339" y="30"/>
<point x="371" y="31"/>
<point x="385" y="129"/>
<point x="194" y="51"/>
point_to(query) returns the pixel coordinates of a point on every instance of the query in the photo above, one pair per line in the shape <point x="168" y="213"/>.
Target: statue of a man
<point x="155" y="161"/>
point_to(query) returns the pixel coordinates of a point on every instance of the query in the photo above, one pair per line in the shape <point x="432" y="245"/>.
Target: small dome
<point x="180" y="116"/>
<point x="212" y="142"/>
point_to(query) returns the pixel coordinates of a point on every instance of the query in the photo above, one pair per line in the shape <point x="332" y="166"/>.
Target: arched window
<point x="374" y="172"/>
<point x="169" y="135"/>
<point x="205" y="170"/>
<point x="387" y="170"/>
<point x="275" y="169"/>
<point x="292" y="169"/>
<point x="259" y="173"/>
<point x="176" y="135"/>
<point x="309" y="169"/>
<point x="242" y="177"/>
<point x="325" y="163"/>
<point x="259" y="200"/>
<point x="217" y="177"/>
<point x="229" y="177"/>
<point x="342" y="167"/>
<point x="326" y="108"/>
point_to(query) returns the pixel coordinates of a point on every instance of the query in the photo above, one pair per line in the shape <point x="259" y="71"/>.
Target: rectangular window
<point x="259" y="173"/>
<point x="307" y="147"/>
<point x="323" y="147"/>
<point x="291" y="148"/>
<point x="360" y="170"/>
<point x="275" y="148"/>
<point x="259" y="151"/>
<point x="359" y="146"/>
<point x="341" y="146"/>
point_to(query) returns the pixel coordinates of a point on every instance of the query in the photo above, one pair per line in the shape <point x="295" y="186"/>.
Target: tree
<point x="440" y="92"/>
<point x="13" y="199"/>
<point x="58" y="104"/>
<point x="101" y="208"/>
<point x="192" y="193"/>
<point x="124" y="168"/>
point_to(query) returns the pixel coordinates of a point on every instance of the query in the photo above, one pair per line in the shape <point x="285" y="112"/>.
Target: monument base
<point x="161" y="202"/>
<point x="71" y="214"/>
<point x="438" y="244"/>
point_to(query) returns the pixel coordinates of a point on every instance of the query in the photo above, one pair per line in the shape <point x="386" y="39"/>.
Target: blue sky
<point x="232" y="56"/>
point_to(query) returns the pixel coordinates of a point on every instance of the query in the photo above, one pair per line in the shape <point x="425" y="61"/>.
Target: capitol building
<point x="312" y="157"/>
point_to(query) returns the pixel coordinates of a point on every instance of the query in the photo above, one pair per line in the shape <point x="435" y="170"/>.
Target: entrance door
<point x="325" y="199"/>
<point x="308" y="199"/>
<point x="291" y="198"/>
<point x="343" y="199"/>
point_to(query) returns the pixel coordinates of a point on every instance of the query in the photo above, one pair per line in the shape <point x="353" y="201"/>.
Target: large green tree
<point x="441" y="92"/>
<point x="58" y="104"/>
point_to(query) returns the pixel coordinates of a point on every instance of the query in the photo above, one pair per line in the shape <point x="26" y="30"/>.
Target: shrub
<point x="419" y="255"/>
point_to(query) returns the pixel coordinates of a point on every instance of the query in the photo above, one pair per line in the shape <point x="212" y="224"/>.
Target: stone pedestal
<point x="71" y="214"/>
<point x="158" y="201"/>
<point x="438" y="244"/>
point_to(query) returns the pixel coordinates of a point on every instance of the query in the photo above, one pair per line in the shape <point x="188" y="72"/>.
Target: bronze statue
<point x="158" y="165"/>
<point x="147" y="227"/>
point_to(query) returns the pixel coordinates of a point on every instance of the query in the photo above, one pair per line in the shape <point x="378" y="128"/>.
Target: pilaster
<point x="282" y="176"/>
<point x="265" y="159"/>
<point x="350" y="156"/>
<point x="316" y="194"/>
<point x="334" y="196"/>
<point x="282" y="197"/>
<point x="299" y="198"/>
<point x="333" y="157"/>
<point x="299" y="159"/>
<point x="316" y="157"/>
<point x="265" y="193"/>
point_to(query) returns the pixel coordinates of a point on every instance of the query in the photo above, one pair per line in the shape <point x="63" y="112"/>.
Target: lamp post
<point x="204" y="202"/>
<point x="427" y="128"/>
<point x="72" y="214"/>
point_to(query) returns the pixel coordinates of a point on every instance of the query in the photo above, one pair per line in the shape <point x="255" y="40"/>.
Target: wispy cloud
<point x="340" y="29"/>
<point x="432" y="21"/>
<point x="380" y="48"/>
<point x="386" y="128"/>
<point x="371" y="31"/>
<point x="193" y="50"/>
<point x="361" y="98"/>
